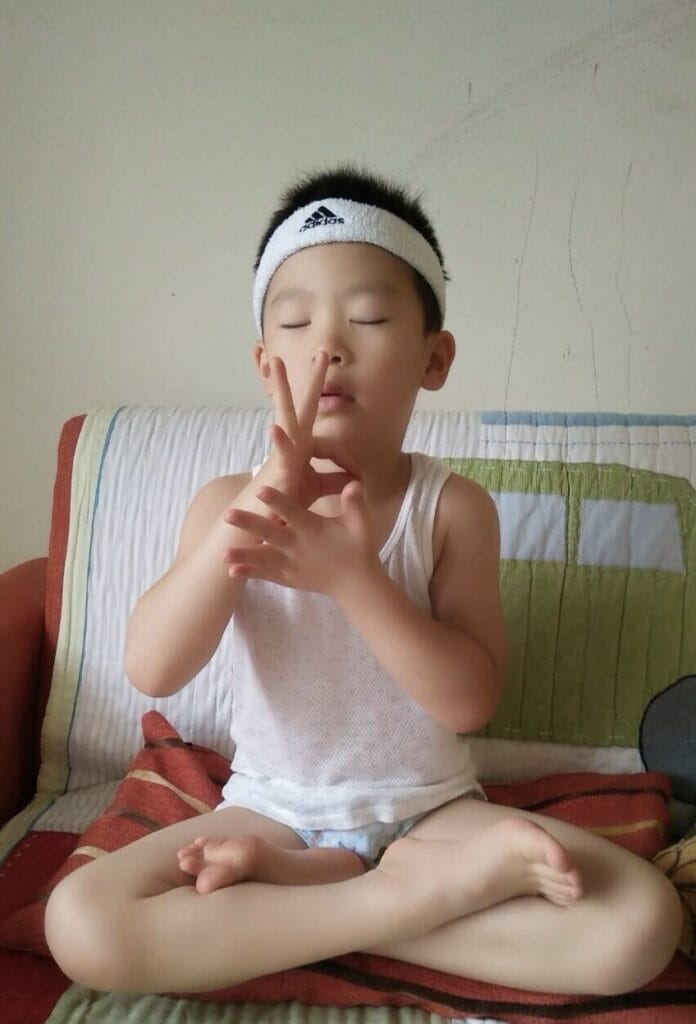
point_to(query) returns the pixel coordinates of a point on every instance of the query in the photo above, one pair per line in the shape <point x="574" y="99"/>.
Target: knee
<point x="88" y="942"/>
<point x="641" y="940"/>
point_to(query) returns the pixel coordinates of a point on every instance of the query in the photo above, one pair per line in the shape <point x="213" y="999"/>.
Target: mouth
<point x="334" y="397"/>
<point x="331" y="390"/>
<point x="335" y="391"/>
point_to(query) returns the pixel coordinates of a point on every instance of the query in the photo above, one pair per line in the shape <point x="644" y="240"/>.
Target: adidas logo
<point x="320" y="218"/>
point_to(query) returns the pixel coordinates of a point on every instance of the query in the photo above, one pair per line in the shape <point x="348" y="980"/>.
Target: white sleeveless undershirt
<point x="325" y="738"/>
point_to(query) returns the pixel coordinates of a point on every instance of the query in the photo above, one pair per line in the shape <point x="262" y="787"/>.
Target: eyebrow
<point x="378" y="287"/>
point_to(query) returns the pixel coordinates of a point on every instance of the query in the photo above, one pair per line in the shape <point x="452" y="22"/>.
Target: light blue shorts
<point x="368" y="841"/>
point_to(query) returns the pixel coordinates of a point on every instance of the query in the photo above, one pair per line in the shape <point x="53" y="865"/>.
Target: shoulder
<point x="465" y="509"/>
<point x="465" y="587"/>
<point x="219" y="490"/>
<point x="209" y="503"/>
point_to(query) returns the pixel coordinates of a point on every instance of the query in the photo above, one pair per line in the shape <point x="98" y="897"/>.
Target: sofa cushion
<point x="678" y="862"/>
<point x="22" y="598"/>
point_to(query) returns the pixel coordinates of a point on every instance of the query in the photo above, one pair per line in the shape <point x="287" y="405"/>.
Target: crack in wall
<point x="629" y="347"/>
<point x="513" y="343"/>
<point x="584" y="311"/>
<point x="652" y="25"/>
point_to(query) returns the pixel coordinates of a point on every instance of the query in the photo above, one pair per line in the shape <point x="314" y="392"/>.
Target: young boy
<point x="361" y="583"/>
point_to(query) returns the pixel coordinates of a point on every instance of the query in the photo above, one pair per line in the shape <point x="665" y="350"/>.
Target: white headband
<point x="343" y="220"/>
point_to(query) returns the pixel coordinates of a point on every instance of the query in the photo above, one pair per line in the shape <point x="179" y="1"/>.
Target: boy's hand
<point x="309" y="552"/>
<point x="288" y="467"/>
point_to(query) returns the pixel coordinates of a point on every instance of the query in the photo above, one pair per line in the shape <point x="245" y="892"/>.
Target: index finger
<point x="282" y="397"/>
<point x="307" y="408"/>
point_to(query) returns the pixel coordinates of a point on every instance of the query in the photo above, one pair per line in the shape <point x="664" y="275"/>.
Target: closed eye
<point x="363" y="323"/>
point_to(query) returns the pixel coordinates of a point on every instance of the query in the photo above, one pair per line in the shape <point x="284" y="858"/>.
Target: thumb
<point x="353" y="497"/>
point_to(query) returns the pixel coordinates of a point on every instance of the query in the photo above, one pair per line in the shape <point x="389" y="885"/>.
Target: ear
<point x="441" y="352"/>
<point x="262" y="367"/>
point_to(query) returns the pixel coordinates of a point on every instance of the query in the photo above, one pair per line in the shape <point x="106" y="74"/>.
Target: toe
<point x="215" y="876"/>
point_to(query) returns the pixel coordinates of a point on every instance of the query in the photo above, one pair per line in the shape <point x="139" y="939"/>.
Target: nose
<point x="333" y="342"/>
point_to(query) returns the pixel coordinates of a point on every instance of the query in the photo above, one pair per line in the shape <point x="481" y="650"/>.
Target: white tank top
<point x="324" y="737"/>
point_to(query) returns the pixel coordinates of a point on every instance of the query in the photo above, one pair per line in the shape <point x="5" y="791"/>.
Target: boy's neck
<point x="382" y="478"/>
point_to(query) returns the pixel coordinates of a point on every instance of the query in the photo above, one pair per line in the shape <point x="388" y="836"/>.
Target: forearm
<point x="176" y="626"/>
<point x="450" y="674"/>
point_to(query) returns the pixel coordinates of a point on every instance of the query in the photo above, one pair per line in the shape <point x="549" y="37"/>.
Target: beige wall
<point x="145" y="145"/>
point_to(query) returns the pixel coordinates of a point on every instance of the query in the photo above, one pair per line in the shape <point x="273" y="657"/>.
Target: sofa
<point x="598" y="576"/>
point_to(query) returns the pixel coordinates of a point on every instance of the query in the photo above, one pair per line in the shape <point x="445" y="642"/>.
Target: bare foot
<point x="515" y="857"/>
<point x="218" y="863"/>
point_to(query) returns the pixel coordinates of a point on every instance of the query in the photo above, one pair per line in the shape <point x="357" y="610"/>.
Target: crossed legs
<point x="622" y="932"/>
<point x="460" y="893"/>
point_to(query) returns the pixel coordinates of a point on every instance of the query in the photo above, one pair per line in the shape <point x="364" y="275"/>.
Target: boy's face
<point x="358" y="303"/>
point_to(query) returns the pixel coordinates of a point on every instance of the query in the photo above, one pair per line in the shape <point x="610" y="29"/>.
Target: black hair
<point x="348" y="181"/>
